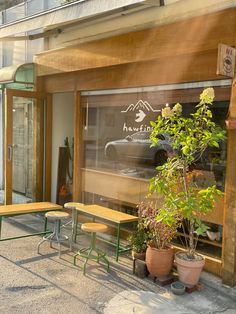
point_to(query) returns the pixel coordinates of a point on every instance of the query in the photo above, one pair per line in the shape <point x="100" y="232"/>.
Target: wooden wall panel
<point x="229" y="239"/>
<point x="121" y="188"/>
<point x="187" y="68"/>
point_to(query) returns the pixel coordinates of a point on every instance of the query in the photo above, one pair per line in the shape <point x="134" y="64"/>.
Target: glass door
<point x="24" y="136"/>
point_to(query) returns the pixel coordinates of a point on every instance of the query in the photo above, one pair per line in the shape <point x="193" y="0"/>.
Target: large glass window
<point x="118" y="160"/>
<point x="116" y="132"/>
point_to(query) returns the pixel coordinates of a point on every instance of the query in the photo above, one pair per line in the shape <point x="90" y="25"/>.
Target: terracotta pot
<point x="137" y="255"/>
<point x="159" y="261"/>
<point x="189" y="271"/>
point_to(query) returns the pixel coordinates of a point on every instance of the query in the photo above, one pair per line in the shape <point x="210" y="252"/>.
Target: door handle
<point x="9" y="152"/>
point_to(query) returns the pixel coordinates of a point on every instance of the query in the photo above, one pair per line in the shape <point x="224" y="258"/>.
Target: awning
<point x="21" y="74"/>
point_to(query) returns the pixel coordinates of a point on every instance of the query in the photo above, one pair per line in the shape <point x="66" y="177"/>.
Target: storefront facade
<point x="121" y="83"/>
<point x="102" y="91"/>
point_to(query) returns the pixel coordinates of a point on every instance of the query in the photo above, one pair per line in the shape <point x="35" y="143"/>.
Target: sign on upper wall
<point x="226" y="60"/>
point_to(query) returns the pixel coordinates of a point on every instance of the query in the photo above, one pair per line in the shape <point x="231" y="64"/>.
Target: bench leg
<point x="118" y="243"/>
<point x="45" y="224"/>
<point x="0" y="227"/>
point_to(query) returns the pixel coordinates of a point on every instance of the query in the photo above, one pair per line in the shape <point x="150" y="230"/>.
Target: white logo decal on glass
<point x="140" y="109"/>
<point x="140" y="116"/>
<point x="141" y="105"/>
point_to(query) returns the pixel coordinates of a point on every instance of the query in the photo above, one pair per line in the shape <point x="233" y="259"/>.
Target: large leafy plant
<point x="190" y="137"/>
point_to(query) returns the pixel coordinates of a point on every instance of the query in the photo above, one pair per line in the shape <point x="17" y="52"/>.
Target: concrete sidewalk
<point x="32" y="283"/>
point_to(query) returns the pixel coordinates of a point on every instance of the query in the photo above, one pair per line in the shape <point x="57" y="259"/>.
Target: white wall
<point x="62" y="127"/>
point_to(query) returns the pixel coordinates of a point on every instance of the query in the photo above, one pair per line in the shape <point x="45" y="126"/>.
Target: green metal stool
<point x="93" y="228"/>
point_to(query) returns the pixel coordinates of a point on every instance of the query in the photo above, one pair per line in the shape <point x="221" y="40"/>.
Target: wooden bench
<point x="22" y="209"/>
<point x="108" y="214"/>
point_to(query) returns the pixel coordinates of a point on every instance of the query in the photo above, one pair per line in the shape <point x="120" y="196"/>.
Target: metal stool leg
<point x="47" y="238"/>
<point x="55" y="236"/>
<point x="57" y="227"/>
<point x="100" y="254"/>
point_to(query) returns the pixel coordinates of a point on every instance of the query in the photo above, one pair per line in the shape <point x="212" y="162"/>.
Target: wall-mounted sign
<point x="226" y="60"/>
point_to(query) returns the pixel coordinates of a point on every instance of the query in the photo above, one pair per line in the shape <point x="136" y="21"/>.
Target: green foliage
<point x="159" y="233"/>
<point x="138" y="240"/>
<point x="190" y="136"/>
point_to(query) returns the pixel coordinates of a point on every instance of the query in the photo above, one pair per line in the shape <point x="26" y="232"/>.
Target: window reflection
<point x="118" y="159"/>
<point x="116" y="138"/>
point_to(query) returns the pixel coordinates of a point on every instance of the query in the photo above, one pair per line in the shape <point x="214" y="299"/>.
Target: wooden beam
<point x="48" y="147"/>
<point x="8" y="149"/>
<point x="78" y="150"/>
<point x="38" y="149"/>
<point x="229" y="234"/>
<point x="185" y="68"/>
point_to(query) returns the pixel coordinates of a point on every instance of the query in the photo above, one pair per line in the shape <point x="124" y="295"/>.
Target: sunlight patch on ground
<point x="143" y="302"/>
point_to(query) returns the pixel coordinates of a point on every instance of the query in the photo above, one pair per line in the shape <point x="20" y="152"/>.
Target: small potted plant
<point x="190" y="137"/>
<point x="160" y="253"/>
<point x="138" y="242"/>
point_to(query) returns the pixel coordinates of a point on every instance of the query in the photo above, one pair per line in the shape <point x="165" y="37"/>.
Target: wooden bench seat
<point x="23" y="209"/>
<point x="107" y="214"/>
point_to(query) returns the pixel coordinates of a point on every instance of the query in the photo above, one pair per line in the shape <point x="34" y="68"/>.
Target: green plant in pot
<point x="138" y="242"/>
<point x="190" y="137"/>
<point x="160" y="253"/>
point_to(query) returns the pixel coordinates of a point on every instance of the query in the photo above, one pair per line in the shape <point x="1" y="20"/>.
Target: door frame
<point x="41" y="185"/>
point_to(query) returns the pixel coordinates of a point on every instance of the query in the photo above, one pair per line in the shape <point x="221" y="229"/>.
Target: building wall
<point x="62" y="127"/>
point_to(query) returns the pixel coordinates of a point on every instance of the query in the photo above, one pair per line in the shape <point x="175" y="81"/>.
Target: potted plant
<point x="160" y="253"/>
<point x="190" y="137"/>
<point x="138" y="242"/>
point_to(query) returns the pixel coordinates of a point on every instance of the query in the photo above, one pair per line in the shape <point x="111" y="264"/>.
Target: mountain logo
<point x="141" y="106"/>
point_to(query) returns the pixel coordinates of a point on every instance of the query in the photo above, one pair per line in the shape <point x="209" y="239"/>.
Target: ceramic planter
<point x="189" y="271"/>
<point x="159" y="261"/>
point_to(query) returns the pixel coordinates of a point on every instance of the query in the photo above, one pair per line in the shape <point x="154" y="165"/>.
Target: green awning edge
<point x="21" y="73"/>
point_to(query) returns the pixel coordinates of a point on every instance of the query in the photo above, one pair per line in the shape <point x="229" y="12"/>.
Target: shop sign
<point x="226" y="60"/>
<point x="139" y="113"/>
